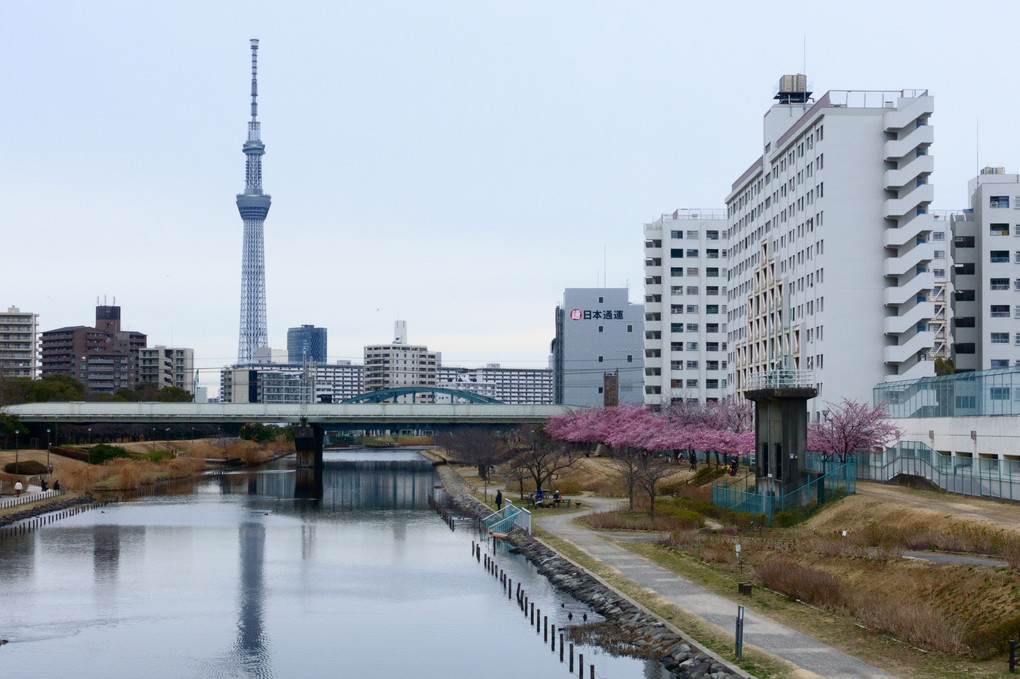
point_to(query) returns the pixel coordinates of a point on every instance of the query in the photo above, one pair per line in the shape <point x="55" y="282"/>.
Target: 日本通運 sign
<point x="596" y="314"/>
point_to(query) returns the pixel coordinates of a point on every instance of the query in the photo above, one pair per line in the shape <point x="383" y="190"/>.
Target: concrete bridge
<point x="316" y="418"/>
<point x="326" y="415"/>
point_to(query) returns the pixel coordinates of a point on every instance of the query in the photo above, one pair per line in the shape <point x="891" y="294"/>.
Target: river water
<point x="240" y="577"/>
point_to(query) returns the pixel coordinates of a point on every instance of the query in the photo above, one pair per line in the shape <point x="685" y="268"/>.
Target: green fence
<point x="831" y="478"/>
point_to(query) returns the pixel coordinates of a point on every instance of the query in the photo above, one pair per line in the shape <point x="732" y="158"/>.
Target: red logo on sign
<point x="575" y="314"/>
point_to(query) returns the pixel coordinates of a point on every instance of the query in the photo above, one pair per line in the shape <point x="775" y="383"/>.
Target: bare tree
<point x="651" y="470"/>
<point x="480" y="447"/>
<point x="540" y="456"/>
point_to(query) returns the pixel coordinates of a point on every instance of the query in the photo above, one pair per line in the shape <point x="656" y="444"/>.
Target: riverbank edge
<point x="45" y="508"/>
<point x="637" y="626"/>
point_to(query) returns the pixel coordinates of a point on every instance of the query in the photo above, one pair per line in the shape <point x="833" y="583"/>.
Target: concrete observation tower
<point x="253" y="206"/>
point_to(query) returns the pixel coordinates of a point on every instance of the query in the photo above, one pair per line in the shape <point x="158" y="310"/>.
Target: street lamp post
<point x="154" y="439"/>
<point x="17" y="466"/>
<point x="47" y="450"/>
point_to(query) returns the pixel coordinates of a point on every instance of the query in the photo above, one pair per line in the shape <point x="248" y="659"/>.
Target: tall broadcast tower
<point x="253" y="206"/>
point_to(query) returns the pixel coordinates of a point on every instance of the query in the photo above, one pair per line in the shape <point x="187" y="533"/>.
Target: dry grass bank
<point x="962" y="610"/>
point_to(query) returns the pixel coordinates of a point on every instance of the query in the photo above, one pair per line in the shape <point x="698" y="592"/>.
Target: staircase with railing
<point x="508" y="519"/>
<point x="991" y="477"/>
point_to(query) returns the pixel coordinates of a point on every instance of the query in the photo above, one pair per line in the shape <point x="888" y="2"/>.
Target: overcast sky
<point x="452" y="164"/>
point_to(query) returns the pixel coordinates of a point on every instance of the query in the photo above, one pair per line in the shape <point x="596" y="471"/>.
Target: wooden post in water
<point x="561" y="646"/>
<point x="580" y="666"/>
<point x="545" y="628"/>
<point x="554" y="637"/>
<point x="571" y="657"/>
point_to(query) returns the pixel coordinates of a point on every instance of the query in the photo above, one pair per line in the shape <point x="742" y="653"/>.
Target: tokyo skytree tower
<point x="253" y="206"/>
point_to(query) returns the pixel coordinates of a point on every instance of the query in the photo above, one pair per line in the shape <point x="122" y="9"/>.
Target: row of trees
<point x="521" y="454"/>
<point x="721" y="428"/>
<point x="641" y="444"/>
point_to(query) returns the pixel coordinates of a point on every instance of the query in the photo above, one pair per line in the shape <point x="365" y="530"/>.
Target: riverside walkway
<point x="814" y="658"/>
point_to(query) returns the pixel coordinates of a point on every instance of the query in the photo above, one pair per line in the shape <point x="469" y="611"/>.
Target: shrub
<point x="25" y="468"/>
<point x="159" y="455"/>
<point x="816" y="587"/>
<point x="103" y="452"/>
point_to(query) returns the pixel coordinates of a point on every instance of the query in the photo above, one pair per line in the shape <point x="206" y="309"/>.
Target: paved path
<point x="815" y="658"/>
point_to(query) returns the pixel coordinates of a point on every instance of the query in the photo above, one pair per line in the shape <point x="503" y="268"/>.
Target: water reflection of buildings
<point x="343" y="484"/>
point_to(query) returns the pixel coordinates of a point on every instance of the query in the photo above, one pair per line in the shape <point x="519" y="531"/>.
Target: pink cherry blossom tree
<point x="852" y="427"/>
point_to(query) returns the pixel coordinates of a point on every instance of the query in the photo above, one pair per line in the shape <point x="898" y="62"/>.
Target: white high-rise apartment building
<point x="986" y="274"/>
<point x="19" y="343"/>
<point x="829" y="242"/>
<point x="941" y="269"/>
<point x="509" y="385"/>
<point x="685" y="307"/>
<point x="400" y="365"/>
<point x="167" y="367"/>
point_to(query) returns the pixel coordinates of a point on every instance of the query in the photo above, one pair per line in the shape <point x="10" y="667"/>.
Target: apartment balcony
<point x="898" y="148"/>
<point x="908" y="204"/>
<point x="908" y="230"/>
<point x="919" y="313"/>
<point x="908" y="261"/>
<point x="922" y="341"/>
<point x="908" y="290"/>
<point x="901" y="117"/>
<point x="908" y="174"/>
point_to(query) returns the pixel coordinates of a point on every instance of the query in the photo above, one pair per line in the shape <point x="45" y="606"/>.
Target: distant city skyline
<point x="454" y="165"/>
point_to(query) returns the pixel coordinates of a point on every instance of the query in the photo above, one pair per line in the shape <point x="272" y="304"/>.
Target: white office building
<point x="685" y="338"/>
<point x="830" y="254"/>
<point x="597" y="354"/>
<point x="986" y="274"/>
<point x="19" y="343"/>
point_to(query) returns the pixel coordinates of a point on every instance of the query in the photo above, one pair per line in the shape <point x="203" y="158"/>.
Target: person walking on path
<point x="499" y="500"/>
<point x="18" y="488"/>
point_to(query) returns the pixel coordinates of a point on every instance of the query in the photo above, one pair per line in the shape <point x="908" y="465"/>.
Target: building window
<point x="600" y="327"/>
<point x="692" y="384"/>
<point x="998" y="393"/>
<point x="630" y="328"/>
<point x="999" y="256"/>
<point x="1000" y="338"/>
<point x="999" y="284"/>
<point x="999" y="229"/>
<point x="600" y="359"/>
<point x="692" y="365"/>
<point x="630" y="358"/>
<point x="1000" y="311"/>
<point x="940" y="254"/>
<point x="998" y="201"/>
